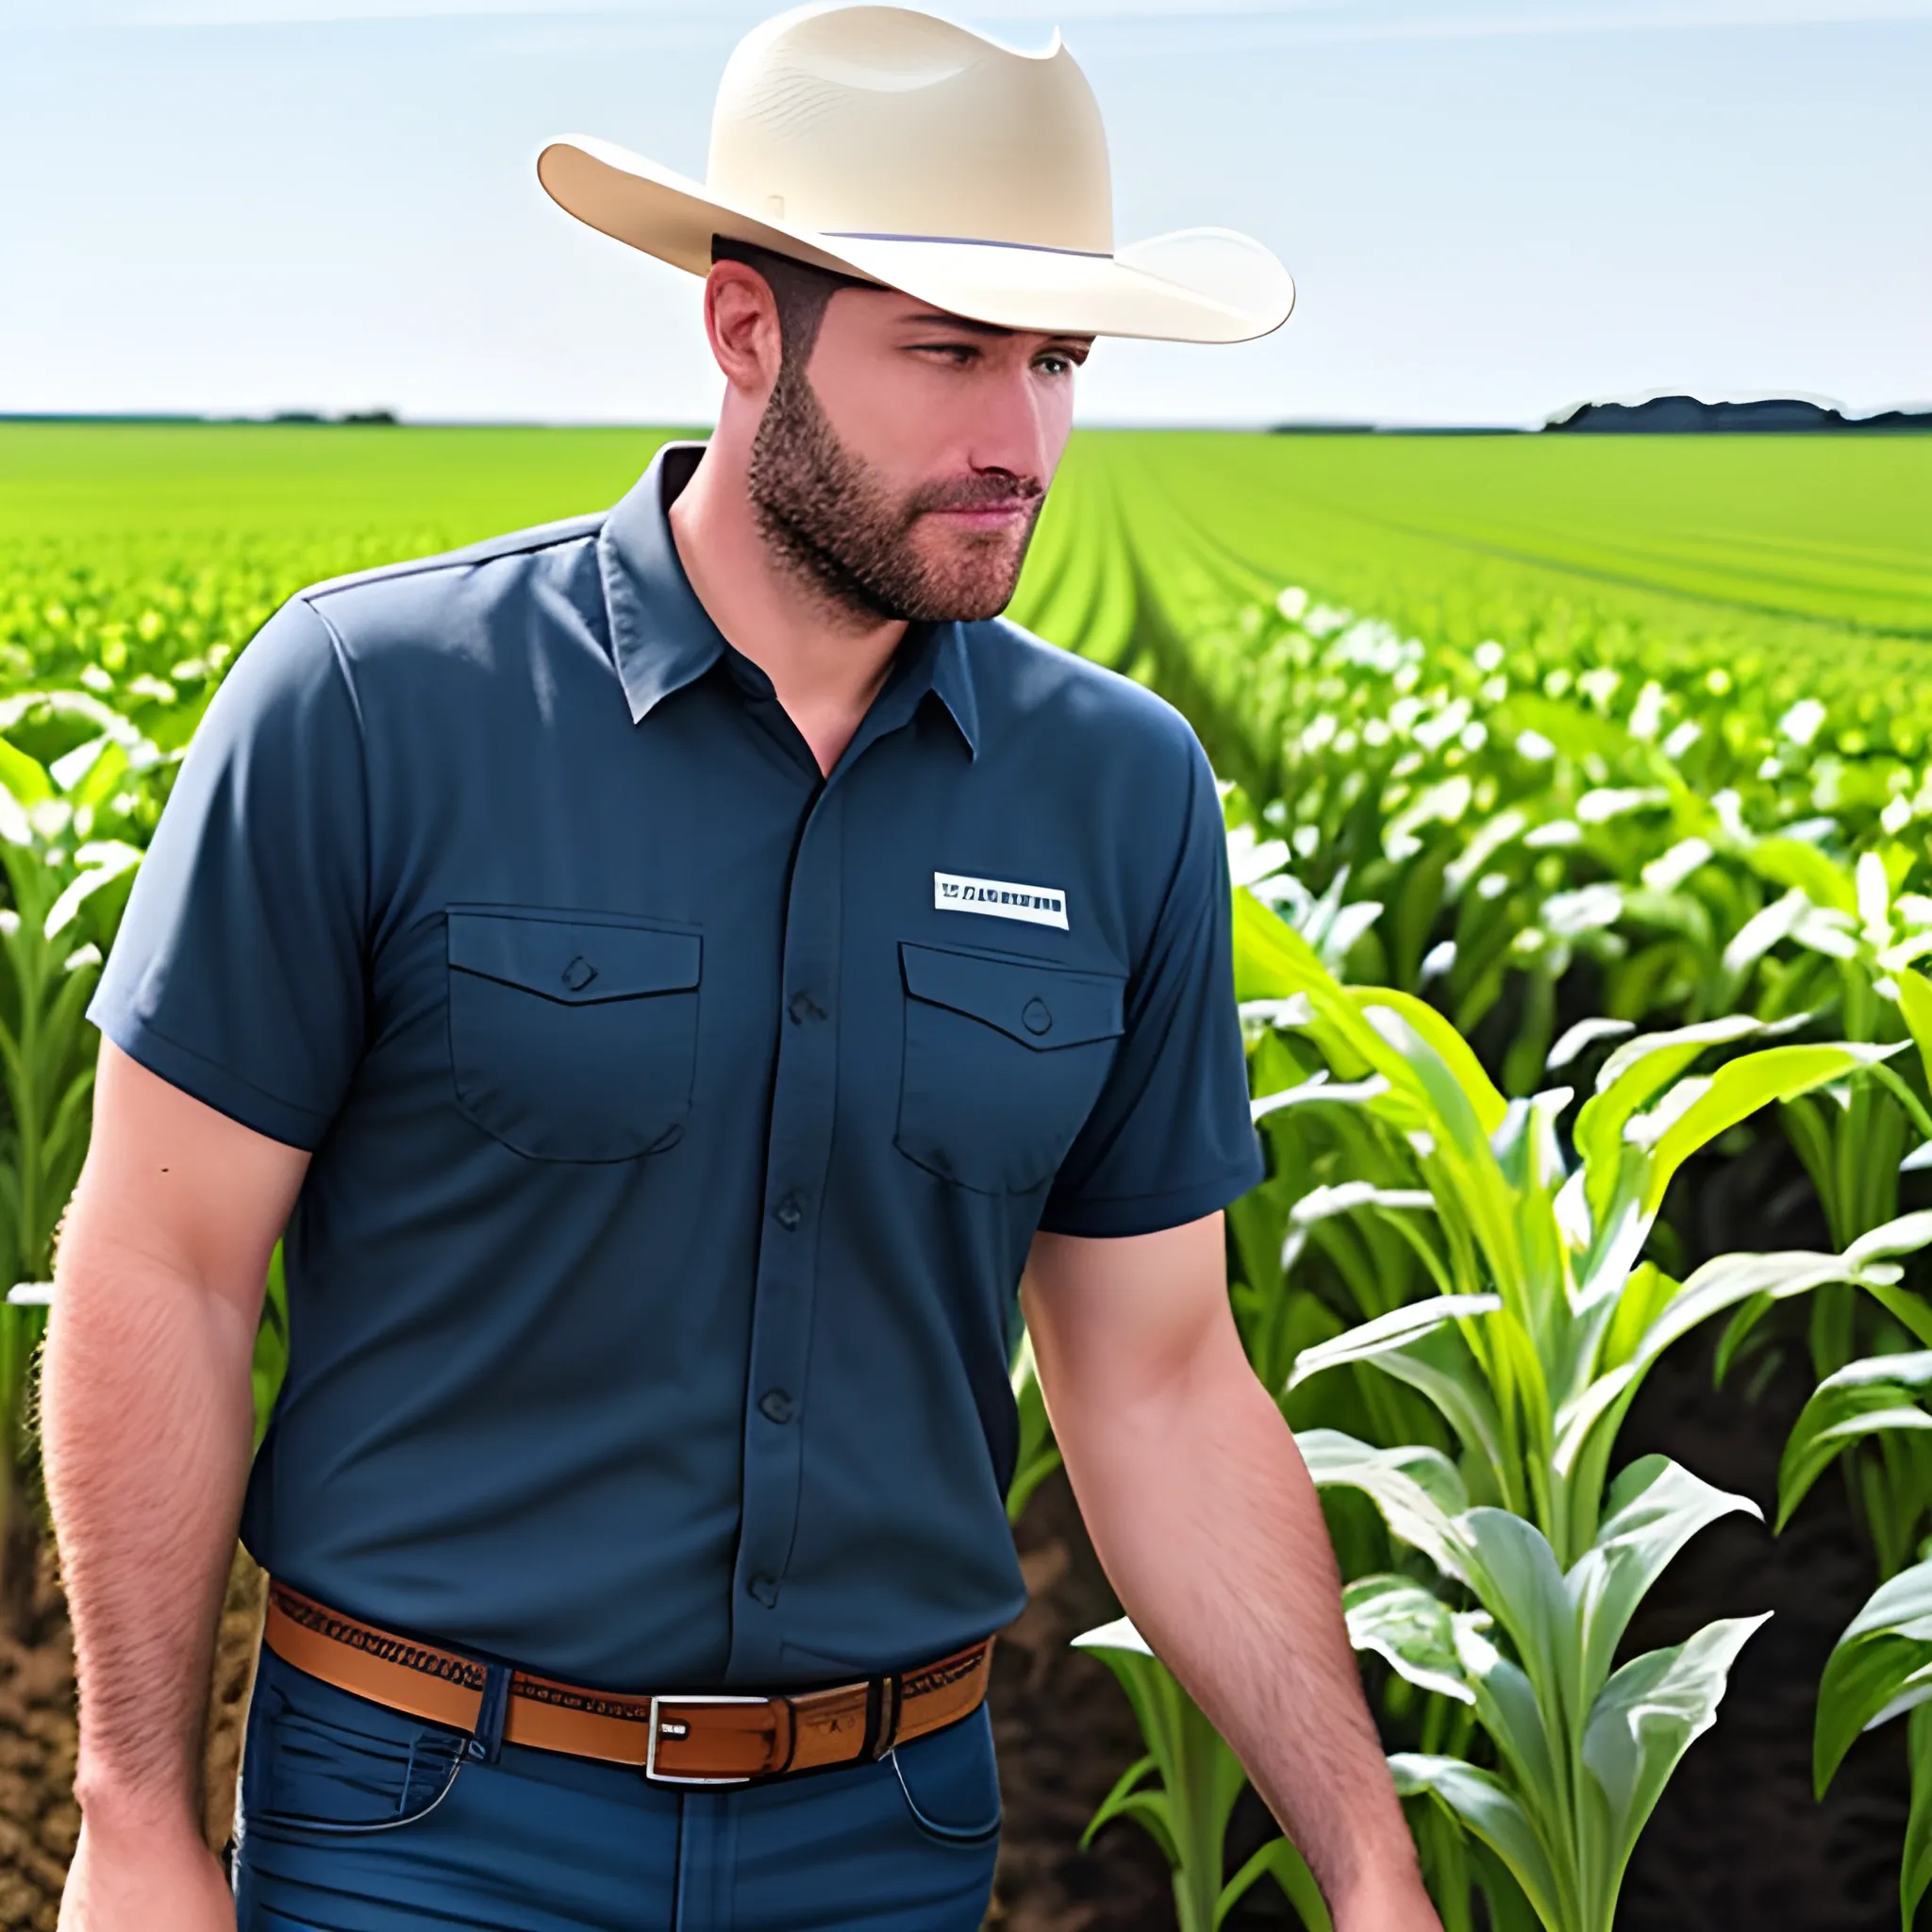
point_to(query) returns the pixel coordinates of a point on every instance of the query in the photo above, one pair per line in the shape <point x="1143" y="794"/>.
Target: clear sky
<point x="1492" y="207"/>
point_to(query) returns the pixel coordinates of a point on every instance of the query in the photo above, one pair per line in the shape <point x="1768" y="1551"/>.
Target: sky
<point x="1492" y="208"/>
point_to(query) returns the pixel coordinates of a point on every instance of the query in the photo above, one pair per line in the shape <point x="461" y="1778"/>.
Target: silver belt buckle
<point x="670" y="1778"/>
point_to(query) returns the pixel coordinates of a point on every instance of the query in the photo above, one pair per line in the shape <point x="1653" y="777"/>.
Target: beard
<point x="831" y="519"/>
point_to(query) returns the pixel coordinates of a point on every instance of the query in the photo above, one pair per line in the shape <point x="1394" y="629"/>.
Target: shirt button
<point x="775" y="1405"/>
<point x="1036" y="1017"/>
<point x="804" y="1008"/>
<point x="788" y="1213"/>
<point x="765" y="1589"/>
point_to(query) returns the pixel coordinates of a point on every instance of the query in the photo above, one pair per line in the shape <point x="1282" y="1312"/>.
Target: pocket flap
<point x="1038" y="1005"/>
<point x="577" y="959"/>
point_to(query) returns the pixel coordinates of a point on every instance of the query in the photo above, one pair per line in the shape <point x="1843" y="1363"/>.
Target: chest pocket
<point x="572" y="1035"/>
<point x="1004" y="1058"/>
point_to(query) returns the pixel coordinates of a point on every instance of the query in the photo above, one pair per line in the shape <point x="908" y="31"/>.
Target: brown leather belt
<point x="674" y="1739"/>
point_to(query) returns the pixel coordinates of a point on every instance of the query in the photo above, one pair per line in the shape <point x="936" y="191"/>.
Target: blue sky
<point x="1492" y="207"/>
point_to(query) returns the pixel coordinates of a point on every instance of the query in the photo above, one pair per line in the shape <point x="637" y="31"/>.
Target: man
<point x="670" y="973"/>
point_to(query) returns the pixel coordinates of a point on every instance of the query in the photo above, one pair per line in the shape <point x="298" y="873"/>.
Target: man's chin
<point x="971" y="591"/>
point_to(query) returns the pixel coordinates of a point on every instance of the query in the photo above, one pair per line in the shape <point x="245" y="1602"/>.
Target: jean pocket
<point x="321" y="1761"/>
<point x="951" y="1783"/>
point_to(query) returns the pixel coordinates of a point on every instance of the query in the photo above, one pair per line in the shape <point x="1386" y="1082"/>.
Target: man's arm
<point x="148" y="1423"/>
<point x="1204" y="1515"/>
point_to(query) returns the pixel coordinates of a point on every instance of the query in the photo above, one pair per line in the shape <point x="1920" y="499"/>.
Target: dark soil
<point x="39" y="1819"/>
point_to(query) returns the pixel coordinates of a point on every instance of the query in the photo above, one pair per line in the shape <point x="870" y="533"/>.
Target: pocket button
<point x="1034" y="1017"/>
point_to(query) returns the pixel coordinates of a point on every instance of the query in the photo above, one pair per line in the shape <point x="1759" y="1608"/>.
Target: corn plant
<point x="1196" y="1780"/>
<point x="1544" y="1323"/>
<point x="66" y="891"/>
<point x="1038" y="1454"/>
<point x="1881" y="1667"/>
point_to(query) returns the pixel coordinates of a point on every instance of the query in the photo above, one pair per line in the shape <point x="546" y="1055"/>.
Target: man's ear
<point x="742" y="319"/>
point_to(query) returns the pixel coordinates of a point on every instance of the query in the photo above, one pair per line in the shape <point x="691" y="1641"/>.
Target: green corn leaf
<point x="1879" y="1668"/>
<point x="1631" y="1076"/>
<point x="1527" y="1732"/>
<point x="1915" y="1003"/>
<point x="1716" y="1286"/>
<point x="1653" y="1509"/>
<point x="1792" y="862"/>
<point x="106" y="863"/>
<point x="1437" y="1362"/>
<point x="1272" y="961"/>
<point x="1279" y="1860"/>
<point x="1915" y="1870"/>
<point x="25" y="778"/>
<point x="1488" y="1809"/>
<point x="1647" y="1716"/>
<point x="1864" y="1398"/>
<point x="1117" y="1801"/>
<point x="1419" y="1492"/>
<point x="1120" y="1637"/>
<point x="1411" y="1628"/>
<point x="1391" y="1332"/>
<point x="1516" y="1578"/>
<point x="1473" y="1084"/>
<point x="1738" y="1091"/>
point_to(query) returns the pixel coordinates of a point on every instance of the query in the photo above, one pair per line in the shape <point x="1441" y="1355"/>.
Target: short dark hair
<point x="800" y="289"/>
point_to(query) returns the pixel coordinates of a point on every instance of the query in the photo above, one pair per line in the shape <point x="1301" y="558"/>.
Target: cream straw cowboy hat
<point x="891" y="146"/>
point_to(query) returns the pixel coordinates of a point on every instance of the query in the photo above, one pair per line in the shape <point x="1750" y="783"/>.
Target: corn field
<point x="1579" y="838"/>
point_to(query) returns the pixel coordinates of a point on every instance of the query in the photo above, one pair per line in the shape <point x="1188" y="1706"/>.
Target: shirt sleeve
<point x="238" y="972"/>
<point x="1171" y="1137"/>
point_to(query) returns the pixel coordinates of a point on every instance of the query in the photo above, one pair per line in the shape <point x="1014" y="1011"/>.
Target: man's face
<point x="902" y="468"/>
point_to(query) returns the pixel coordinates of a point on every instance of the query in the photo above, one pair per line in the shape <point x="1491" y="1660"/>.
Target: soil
<point x="39" y="1819"/>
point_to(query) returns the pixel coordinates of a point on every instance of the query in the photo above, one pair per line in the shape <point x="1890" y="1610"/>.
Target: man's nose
<point x="1009" y="432"/>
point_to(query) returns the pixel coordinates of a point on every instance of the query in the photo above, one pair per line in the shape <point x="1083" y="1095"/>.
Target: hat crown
<point x="879" y="121"/>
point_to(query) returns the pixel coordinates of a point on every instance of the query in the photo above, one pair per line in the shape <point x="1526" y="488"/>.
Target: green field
<point x="1531" y="744"/>
<point x="1707" y="535"/>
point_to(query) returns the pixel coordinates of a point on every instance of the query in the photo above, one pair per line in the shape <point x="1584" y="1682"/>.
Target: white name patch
<point x="1000" y="898"/>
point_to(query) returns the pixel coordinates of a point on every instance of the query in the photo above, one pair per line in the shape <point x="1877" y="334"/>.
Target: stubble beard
<point x="826" y="516"/>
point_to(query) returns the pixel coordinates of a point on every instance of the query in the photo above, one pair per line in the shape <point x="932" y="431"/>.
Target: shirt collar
<point x="663" y="638"/>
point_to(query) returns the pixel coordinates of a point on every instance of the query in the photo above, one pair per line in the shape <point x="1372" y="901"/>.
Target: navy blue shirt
<point x="680" y="1117"/>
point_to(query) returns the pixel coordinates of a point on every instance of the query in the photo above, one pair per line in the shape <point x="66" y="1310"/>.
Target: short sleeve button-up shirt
<point x="680" y="1117"/>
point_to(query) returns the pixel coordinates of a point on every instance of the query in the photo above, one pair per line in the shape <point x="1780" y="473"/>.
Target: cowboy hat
<point x="885" y="144"/>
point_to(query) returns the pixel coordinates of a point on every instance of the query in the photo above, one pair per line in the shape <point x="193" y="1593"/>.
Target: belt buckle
<point x="670" y="1778"/>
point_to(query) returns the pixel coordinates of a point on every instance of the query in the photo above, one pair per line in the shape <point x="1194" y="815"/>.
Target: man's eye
<point x="1055" y="365"/>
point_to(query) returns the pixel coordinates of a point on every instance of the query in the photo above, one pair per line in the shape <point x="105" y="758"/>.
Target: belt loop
<point x="883" y="1699"/>
<point x="492" y="1714"/>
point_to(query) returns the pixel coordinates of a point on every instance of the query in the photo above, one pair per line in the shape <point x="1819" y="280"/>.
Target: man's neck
<point x="826" y="665"/>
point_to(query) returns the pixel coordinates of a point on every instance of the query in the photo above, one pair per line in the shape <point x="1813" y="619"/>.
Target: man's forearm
<point x="147" y="1423"/>
<point x="1208" y="1525"/>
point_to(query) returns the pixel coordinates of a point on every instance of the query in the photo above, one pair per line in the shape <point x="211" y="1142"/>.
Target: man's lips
<point x="987" y="516"/>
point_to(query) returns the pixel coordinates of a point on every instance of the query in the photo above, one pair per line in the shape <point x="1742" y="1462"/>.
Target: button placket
<point x="798" y="1148"/>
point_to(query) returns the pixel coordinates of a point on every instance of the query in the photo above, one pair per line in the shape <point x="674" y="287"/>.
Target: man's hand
<point x="1204" y="1515"/>
<point x="152" y="1878"/>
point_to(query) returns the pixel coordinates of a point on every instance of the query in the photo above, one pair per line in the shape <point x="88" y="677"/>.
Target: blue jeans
<point x="542" y="1842"/>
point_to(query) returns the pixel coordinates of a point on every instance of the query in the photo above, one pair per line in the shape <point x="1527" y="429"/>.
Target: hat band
<point x="969" y="242"/>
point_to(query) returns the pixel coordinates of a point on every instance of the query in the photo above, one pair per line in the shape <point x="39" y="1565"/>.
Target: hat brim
<point x="1200" y="285"/>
